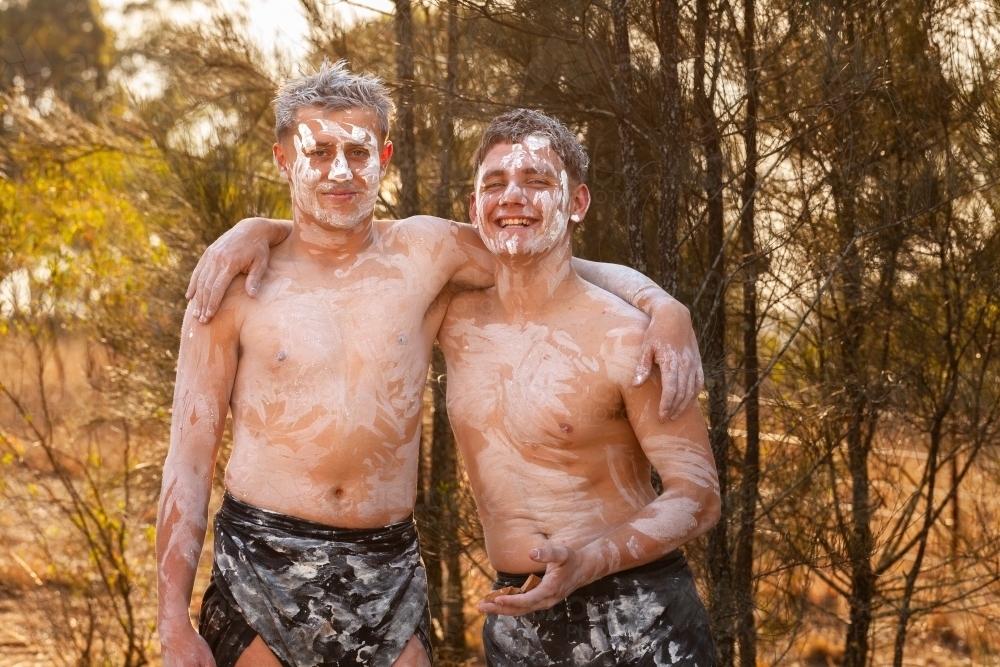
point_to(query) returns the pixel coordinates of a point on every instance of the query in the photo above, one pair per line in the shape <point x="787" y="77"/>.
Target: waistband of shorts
<point x="667" y="564"/>
<point x="234" y="510"/>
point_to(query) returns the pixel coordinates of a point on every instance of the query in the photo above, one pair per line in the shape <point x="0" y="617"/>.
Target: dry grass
<point x="40" y="603"/>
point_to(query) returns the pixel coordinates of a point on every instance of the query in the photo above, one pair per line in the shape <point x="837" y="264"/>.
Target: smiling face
<point x="333" y="161"/>
<point x="524" y="200"/>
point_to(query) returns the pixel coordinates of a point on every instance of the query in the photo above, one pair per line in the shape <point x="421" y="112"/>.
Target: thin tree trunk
<point x="860" y="540"/>
<point x="446" y="565"/>
<point x="743" y="577"/>
<point x="444" y="465"/>
<point x="714" y="335"/>
<point x="447" y="129"/>
<point x="632" y="209"/>
<point x="404" y="138"/>
<point x="671" y="142"/>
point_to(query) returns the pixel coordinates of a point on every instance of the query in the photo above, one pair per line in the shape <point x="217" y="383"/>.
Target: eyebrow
<point x="348" y="144"/>
<point x="526" y="170"/>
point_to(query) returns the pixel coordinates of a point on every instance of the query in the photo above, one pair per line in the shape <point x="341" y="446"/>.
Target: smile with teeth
<point x="514" y="222"/>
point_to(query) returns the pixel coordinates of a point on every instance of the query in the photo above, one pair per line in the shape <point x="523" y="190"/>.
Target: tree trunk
<point x="632" y="210"/>
<point x="671" y="143"/>
<point x="714" y="335"/>
<point x="447" y="129"/>
<point x="444" y="465"/>
<point x="444" y="570"/>
<point x="860" y="540"/>
<point x="743" y="577"/>
<point x="404" y="138"/>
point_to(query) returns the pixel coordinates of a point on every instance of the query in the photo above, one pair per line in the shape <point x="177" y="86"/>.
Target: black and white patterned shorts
<point x="315" y="594"/>
<point x="649" y="616"/>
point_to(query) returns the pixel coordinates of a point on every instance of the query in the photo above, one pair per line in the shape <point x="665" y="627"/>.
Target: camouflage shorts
<point x="316" y="595"/>
<point x="649" y="616"/>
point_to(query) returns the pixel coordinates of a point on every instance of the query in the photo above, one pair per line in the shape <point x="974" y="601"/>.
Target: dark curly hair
<point x="517" y="125"/>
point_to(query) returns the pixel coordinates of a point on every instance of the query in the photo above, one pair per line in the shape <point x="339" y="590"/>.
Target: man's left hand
<point x="680" y="367"/>
<point x="564" y="573"/>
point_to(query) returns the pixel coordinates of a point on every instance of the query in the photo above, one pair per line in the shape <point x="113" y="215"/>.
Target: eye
<point x="358" y="153"/>
<point x="321" y="152"/>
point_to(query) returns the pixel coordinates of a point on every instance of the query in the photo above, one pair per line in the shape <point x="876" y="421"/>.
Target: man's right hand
<point x="185" y="648"/>
<point x="243" y="249"/>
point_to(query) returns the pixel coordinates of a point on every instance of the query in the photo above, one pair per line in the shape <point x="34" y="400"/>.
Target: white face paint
<point x="336" y="172"/>
<point x="522" y="198"/>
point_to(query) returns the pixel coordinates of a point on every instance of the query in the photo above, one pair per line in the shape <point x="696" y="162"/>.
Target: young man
<point x="316" y="557"/>
<point x="557" y="441"/>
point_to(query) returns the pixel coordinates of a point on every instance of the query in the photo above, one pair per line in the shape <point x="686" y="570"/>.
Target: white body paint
<point x="309" y="183"/>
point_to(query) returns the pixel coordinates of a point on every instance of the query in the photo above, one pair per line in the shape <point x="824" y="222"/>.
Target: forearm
<point x="181" y="526"/>
<point x="666" y="524"/>
<point x="628" y="285"/>
<point x="258" y="229"/>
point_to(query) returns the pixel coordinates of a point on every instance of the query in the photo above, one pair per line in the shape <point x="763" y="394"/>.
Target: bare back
<point x="538" y="412"/>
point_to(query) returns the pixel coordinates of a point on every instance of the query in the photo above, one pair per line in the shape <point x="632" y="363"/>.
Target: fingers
<point x="519" y="604"/>
<point x="670" y="376"/>
<point x="692" y="379"/>
<point x="645" y="365"/>
<point x="202" y="296"/>
<point x="222" y="281"/>
<point x="193" y="283"/>
<point x="695" y="377"/>
<point x="254" y="277"/>
<point x="550" y="554"/>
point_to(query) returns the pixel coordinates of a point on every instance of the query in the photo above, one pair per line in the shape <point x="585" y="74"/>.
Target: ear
<point x="384" y="157"/>
<point x="579" y="202"/>
<point x="473" y="211"/>
<point x="280" y="160"/>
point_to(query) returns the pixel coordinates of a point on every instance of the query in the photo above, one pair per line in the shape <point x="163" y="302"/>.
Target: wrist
<point x="656" y="302"/>
<point x="593" y="564"/>
<point x="174" y="624"/>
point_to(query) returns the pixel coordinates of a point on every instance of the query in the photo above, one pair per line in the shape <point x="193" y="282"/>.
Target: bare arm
<point x="205" y="371"/>
<point x="246" y="248"/>
<point x="243" y="249"/>
<point x="689" y="506"/>
<point x="680" y="364"/>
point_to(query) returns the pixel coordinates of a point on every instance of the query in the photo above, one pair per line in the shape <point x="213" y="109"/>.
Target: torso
<point x="538" y="414"/>
<point x="327" y="397"/>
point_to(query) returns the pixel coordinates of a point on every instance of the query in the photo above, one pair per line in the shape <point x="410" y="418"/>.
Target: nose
<point x="513" y="194"/>
<point x="339" y="170"/>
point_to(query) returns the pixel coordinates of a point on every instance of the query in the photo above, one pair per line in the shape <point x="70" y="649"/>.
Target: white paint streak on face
<point x="553" y="208"/>
<point x="308" y="182"/>
<point x="340" y="171"/>
<point x="514" y="159"/>
<point x="536" y="142"/>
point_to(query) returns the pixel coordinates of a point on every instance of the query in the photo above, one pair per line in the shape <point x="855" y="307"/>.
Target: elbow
<point x="710" y="510"/>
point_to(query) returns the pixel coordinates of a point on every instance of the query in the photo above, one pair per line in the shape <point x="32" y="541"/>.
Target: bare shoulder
<point x="618" y="329"/>
<point x="429" y="227"/>
<point x="615" y="314"/>
<point x="235" y="300"/>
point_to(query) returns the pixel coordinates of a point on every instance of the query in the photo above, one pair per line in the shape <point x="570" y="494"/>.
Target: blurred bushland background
<point x="815" y="179"/>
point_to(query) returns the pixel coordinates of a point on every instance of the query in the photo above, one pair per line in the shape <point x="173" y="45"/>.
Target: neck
<point x="527" y="284"/>
<point x="312" y="240"/>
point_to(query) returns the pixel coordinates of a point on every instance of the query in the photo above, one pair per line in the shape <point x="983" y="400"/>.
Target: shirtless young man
<point x="315" y="553"/>
<point x="558" y="442"/>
